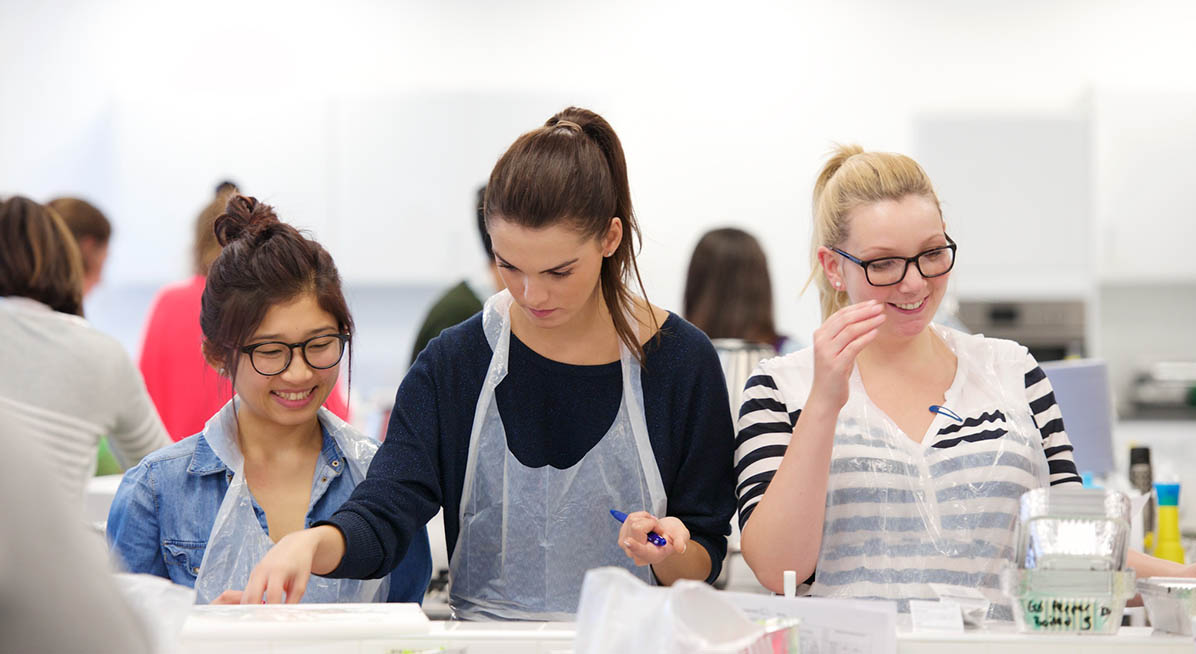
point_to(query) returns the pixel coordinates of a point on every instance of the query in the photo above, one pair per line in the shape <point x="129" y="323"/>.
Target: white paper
<point x="940" y="616"/>
<point x="829" y="626"/>
<point x="971" y="601"/>
<point x="303" y="621"/>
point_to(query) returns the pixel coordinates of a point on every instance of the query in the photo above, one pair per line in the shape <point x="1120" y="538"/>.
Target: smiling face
<point x="292" y="397"/>
<point x="552" y="272"/>
<point x="892" y="228"/>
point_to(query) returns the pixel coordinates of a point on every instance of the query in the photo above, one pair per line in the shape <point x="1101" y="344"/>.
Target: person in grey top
<point x="56" y="588"/>
<point x="65" y="381"/>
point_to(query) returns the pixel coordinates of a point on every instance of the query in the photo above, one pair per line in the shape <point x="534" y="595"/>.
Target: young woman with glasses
<point x="568" y="396"/>
<point x="888" y="459"/>
<point x="202" y="512"/>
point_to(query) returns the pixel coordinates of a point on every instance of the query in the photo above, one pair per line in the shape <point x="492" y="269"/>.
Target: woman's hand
<point x="837" y="343"/>
<point x="284" y="570"/>
<point x="229" y="597"/>
<point x="633" y="537"/>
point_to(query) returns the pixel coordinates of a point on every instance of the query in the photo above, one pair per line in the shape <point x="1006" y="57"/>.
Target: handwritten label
<point x="943" y="615"/>
<point x="1066" y="615"/>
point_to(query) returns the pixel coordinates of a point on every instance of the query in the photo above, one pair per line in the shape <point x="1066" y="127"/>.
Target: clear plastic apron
<point x="905" y="520"/>
<point x="237" y="541"/>
<point x="528" y="535"/>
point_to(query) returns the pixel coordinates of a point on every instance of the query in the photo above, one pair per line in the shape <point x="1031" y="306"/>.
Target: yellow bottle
<point x="1168" y="545"/>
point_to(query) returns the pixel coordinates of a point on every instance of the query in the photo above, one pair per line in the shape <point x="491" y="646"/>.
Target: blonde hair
<point x="852" y="178"/>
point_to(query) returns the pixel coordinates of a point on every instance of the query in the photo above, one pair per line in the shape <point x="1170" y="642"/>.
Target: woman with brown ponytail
<point x="203" y="511"/>
<point x="568" y="396"/>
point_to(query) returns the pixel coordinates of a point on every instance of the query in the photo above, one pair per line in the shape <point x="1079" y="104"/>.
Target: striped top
<point x="901" y="515"/>
<point x="71" y="384"/>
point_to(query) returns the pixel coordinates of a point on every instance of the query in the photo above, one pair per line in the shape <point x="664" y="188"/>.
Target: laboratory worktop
<point x="330" y="635"/>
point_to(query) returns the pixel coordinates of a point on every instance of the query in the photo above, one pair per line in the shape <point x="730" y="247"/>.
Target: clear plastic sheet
<point x="237" y="542"/>
<point x="902" y="516"/>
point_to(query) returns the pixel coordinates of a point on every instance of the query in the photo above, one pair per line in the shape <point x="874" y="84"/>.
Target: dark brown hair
<point x="572" y="169"/>
<point x="728" y="293"/>
<point x="39" y="258"/>
<point x="264" y="262"/>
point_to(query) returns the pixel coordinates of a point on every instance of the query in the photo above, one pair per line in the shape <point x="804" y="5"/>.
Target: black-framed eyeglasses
<point x="887" y="271"/>
<point x="274" y="357"/>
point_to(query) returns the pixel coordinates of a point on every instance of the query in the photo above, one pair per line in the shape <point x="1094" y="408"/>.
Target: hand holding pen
<point x="634" y="537"/>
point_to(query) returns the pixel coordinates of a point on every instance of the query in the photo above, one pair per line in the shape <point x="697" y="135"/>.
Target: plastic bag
<point x="619" y="613"/>
<point x="162" y="606"/>
<point x="903" y="517"/>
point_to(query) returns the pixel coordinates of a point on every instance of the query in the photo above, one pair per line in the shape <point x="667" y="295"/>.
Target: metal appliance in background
<point x="1165" y="389"/>
<point x="1051" y="329"/>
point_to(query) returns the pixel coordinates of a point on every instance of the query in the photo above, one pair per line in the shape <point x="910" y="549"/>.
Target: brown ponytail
<point x="573" y="169"/>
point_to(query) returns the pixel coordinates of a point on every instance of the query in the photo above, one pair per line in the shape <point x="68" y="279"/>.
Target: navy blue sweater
<point x="553" y="414"/>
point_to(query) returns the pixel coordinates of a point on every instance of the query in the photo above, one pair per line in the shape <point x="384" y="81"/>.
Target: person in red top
<point x="183" y="387"/>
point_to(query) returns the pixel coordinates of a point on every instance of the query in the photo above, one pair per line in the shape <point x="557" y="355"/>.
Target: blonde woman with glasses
<point x="887" y="460"/>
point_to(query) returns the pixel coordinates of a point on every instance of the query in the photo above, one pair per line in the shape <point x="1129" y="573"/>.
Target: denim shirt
<point x="163" y="513"/>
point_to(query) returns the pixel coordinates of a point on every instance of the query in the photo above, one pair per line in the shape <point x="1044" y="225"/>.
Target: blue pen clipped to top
<point x="653" y="537"/>
<point x="942" y="410"/>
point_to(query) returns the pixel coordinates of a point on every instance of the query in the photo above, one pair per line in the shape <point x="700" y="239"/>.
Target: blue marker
<point x="653" y="537"/>
<point x="942" y="410"/>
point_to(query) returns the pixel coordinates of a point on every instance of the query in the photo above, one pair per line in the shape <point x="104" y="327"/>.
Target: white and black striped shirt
<point x="768" y="415"/>
<point x="903" y="518"/>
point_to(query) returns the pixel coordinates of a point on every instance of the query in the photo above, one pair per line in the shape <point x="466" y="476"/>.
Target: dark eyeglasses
<point x="274" y="357"/>
<point x="887" y="271"/>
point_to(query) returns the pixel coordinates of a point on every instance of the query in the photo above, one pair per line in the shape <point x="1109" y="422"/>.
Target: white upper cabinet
<point x="1016" y="192"/>
<point x="1145" y="154"/>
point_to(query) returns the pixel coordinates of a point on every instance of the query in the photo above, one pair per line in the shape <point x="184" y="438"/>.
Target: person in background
<point x="91" y="230"/>
<point x="68" y="381"/>
<point x="566" y="397"/>
<point x="462" y="301"/>
<point x="272" y="460"/>
<point x="728" y="292"/>
<point x="56" y="586"/>
<point x="728" y="295"/>
<point x="184" y="388"/>
<point x="890" y="456"/>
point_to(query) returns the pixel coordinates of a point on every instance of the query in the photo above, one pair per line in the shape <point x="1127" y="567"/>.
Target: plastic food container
<point x="1068" y="601"/>
<point x="1073" y="529"/>
<point x="1170" y="603"/>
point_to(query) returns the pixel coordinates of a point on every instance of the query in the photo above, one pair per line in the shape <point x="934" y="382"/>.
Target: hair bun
<point x="244" y="217"/>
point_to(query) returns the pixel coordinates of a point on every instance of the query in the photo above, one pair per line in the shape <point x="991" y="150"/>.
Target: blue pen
<point x="942" y="410"/>
<point x="653" y="537"/>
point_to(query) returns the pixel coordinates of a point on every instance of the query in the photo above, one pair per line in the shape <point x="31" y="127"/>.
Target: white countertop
<point x="203" y="637"/>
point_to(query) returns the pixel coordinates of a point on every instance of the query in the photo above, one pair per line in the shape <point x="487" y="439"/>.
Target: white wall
<point x="725" y="109"/>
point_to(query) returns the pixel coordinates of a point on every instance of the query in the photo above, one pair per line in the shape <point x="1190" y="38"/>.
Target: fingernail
<point x="627" y="542"/>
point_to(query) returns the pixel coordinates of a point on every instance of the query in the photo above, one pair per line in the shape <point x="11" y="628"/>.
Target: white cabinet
<point x="1145" y="163"/>
<point x="1016" y="192"/>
